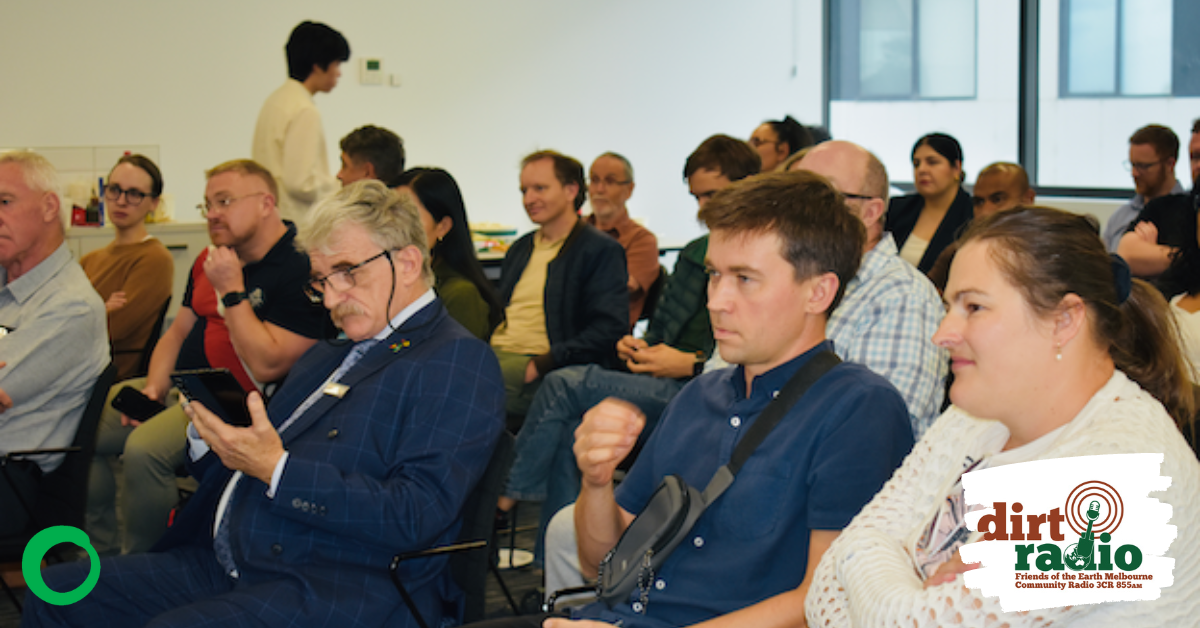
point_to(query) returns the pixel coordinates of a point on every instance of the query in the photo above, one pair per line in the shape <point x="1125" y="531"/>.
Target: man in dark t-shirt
<point x="244" y="310"/>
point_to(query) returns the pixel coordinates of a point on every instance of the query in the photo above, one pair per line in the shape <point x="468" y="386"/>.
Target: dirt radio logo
<point x="1069" y="531"/>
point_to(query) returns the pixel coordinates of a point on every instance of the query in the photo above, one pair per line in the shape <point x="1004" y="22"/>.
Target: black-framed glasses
<point x="113" y="193"/>
<point x="341" y="279"/>
<point x="222" y="204"/>
<point x="860" y="197"/>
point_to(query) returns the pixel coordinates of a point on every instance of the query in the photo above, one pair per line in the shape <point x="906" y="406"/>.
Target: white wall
<point x="483" y="83"/>
<point x="986" y="126"/>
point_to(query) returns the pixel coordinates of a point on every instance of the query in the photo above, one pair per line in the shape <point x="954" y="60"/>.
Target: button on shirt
<point x="827" y="457"/>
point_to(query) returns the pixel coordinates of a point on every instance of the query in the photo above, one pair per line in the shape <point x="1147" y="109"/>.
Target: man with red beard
<point x="244" y="310"/>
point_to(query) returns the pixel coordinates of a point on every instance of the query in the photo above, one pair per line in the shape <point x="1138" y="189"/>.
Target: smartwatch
<point x="233" y="298"/>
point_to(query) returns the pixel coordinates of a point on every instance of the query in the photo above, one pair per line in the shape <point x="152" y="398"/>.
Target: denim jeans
<point x="544" y="466"/>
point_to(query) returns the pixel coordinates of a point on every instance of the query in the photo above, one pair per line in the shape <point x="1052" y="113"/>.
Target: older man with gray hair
<point x="53" y="331"/>
<point x="369" y="449"/>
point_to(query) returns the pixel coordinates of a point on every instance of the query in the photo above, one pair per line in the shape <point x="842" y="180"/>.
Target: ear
<point x="573" y="191"/>
<point x="1028" y="196"/>
<point x="409" y="263"/>
<point x="824" y="288"/>
<point x="872" y="212"/>
<point x="443" y="227"/>
<point x="51" y="208"/>
<point x="1069" y="319"/>
<point x="370" y="169"/>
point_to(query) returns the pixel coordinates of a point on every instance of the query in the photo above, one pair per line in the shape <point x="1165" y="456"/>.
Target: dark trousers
<point x="18" y="492"/>
<point x="182" y="588"/>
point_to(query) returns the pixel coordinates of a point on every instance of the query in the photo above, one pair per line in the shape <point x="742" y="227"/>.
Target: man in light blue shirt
<point x="53" y="330"/>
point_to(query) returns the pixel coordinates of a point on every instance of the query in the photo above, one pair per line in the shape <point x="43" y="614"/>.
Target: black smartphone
<point x="133" y="404"/>
<point x="218" y="390"/>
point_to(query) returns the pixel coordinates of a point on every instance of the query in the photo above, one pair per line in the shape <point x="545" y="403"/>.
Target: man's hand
<point x="949" y="570"/>
<point x="151" y="391"/>
<point x="6" y="402"/>
<point x="531" y="372"/>
<point x="628" y="345"/>
<point x="224" y="270"/>
<point x="662" y="361"/>
<point x="115" y="301"/>
<point x="608" y="433"/>
<point x="1147" y="231"/>
<point x="253" y="450"/>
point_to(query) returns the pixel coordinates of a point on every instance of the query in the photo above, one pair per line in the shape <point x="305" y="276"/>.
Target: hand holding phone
<point x="218" y="390"/>
<point x="134" y="404"/>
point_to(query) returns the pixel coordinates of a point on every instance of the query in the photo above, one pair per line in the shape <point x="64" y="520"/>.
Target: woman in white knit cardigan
<point x="1056" y="353"/>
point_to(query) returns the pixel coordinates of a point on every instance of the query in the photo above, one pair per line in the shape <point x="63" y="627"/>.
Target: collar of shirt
<point x="874" y="261"/>
<point x="24" y="286"/>
<point x="616" y="230"/>
<point x="405" y="314"/>
<point x="298" y="88"/>
<point x="1139" y="201"/>
<point x="767" y="385"/>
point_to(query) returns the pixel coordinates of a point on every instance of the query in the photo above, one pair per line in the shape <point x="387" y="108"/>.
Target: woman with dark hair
<point x="1057" y="353"/>
<point x="1184" y="274"/>
<point x="925" y="223"/>
<point x="776" y="140"/>
<point x="461" y="284"/>
<point x="133" y="274"/>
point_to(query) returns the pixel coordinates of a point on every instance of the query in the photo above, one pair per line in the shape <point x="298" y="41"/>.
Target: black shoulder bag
<point x="674" y="507"/>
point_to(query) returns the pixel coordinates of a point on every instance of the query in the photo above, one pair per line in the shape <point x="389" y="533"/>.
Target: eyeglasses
<point x="113" y="193"/>
<point x="609" y="182"/>
<point x="1130" y="166"/>
<point x="222" y="204"/>
<point x="757" y="141"/>
<point x="340" y="280"/>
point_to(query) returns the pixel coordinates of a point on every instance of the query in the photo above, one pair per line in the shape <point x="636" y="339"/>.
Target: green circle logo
<point x="31" y="564"/>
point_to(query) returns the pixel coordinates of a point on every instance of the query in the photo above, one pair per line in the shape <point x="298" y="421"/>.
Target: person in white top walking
<point x="288" y="138"/>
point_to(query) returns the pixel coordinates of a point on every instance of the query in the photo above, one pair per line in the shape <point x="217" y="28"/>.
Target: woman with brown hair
<point x="1056" y="353"/>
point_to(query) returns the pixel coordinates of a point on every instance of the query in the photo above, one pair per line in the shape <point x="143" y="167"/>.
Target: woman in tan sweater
<point x="133" y="273"/>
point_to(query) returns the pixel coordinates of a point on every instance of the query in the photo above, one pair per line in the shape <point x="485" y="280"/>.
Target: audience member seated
<point x="927" y="222"/>
<point x="884" y="322"/>
<point x="134" y="273"/>
<point x="656" y="366"/>
<point x="781" y="250"/>
<point x="1153" y="150"/>
<point x="54" y="340"/>
<point x="460" y="282"/>
<point x="776" y="140"/>
<point x="564" y="285"/>
<point x="244" y="310"/>
<point x="371" y="152"/>
<point x="1186" y="305"/>
<point x="298" y="516"/>
<point x="610" y="184"/>
<point x="999" y="186"/>
<point x="1164" y="228"/>
<point x="1040" y="324"/>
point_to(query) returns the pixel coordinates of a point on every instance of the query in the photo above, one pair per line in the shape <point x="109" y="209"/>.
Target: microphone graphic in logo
<point x="1079" y="556"/>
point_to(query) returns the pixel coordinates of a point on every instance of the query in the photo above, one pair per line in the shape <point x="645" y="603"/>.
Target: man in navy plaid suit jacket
<point x="370" y="448"/>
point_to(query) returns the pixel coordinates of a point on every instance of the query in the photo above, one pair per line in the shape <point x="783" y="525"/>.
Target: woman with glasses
<point x="133" y="273"/>
<point x="925" y="223"/>
<point x="1057" y="353"/>
<point x="466" y="292"/>
<point x="776" y="140"/>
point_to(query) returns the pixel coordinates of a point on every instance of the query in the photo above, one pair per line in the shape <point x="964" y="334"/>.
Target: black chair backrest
<point x="62" y="493"/>
<point x="155" y="334"/>
<point x="652" y="294"/>
<point x="470" y="569"/>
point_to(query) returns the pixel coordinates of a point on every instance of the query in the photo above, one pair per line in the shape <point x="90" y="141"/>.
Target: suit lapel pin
<point x="334" y="389"/>
<point x="397" y="346"/>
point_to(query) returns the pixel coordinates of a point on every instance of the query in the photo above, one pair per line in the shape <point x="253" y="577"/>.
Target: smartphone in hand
<point x="135" y="405"/>
<point x="218" y="390"/>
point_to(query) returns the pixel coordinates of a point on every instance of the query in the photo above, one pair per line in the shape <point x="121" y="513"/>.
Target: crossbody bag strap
<point x="792" y="391"/>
